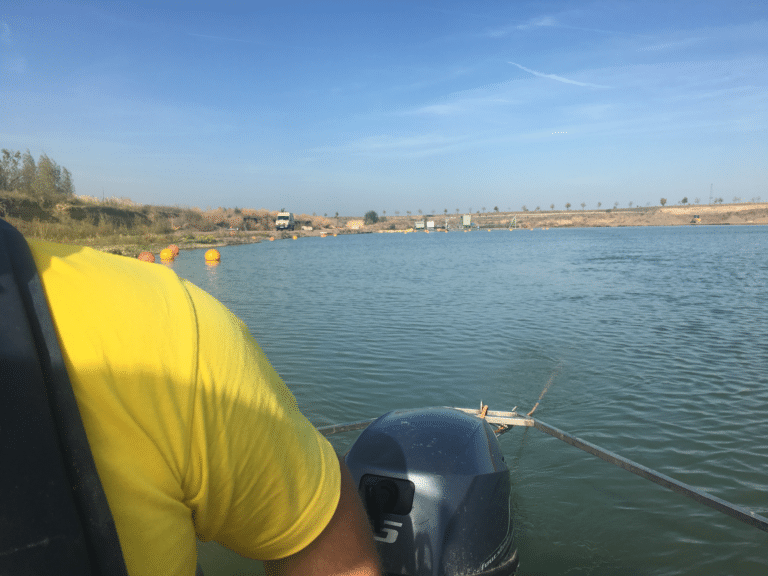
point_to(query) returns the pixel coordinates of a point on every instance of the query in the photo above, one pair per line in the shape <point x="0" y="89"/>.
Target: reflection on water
<point x="655" y="341"/>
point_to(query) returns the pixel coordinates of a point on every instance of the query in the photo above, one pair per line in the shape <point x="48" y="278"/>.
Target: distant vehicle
<point x="285" y="221"/>
<point x="430" y="224"/>
<point x="419" y="224"/>
<point x="466" y="220"/>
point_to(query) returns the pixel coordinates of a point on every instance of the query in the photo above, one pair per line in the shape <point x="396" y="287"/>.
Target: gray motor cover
<point x="437" y="490"/>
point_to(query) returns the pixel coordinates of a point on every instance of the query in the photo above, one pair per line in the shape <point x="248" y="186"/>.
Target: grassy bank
<point x="122" y="227"/>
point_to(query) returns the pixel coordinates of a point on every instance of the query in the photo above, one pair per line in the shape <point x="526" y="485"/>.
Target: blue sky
<point x="392" y="106"/>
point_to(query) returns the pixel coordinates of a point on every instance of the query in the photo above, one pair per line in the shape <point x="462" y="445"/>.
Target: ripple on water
<point x="654" y="343"/>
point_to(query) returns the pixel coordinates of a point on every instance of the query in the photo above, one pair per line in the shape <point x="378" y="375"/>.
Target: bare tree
<point x="663" y="201"/>
<point x="583" y="204"/>
<point x="567" y="205"/>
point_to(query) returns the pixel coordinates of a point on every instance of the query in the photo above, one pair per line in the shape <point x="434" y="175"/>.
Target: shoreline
<point x="188" y="238"/>
<point x="751" y="214"/>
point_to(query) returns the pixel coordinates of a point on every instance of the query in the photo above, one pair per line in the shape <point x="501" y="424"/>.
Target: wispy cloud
<point x="5" y="34"/>
<point x="459" y="106"/>
<point x="501" y="31"/>
<point x="559" y="78"/>
<point x="10" y="61"/>
<point x="560" y="21"/>
<point x="388" y="146"/>
<point x="672" y="45"/>
<point x="537" y="23"/>
<point x="419" y="144"/>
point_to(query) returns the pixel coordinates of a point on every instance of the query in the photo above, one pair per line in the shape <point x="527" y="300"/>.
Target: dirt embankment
<point x="717" y="214"/>
<point x="130" y="229"/>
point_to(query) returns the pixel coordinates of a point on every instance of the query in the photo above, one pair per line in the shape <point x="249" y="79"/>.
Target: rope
<point x="555" y="372"/>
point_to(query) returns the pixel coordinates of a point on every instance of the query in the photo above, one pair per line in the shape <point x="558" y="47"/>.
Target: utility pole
<point x="710" y="193"/>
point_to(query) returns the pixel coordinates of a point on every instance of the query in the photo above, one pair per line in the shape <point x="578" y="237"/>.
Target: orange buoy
<point x="175" y="249"/>
<point x="271" y="238"/>
<point x="295" y="237"/>
<point x="147" y="257"/>
<point x="212" y="255"/>
<point x="166" y="255"/>
<point x="253" y="237"/>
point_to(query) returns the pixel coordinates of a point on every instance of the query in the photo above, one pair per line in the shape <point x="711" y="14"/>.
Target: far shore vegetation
<point x="38" y="198"/>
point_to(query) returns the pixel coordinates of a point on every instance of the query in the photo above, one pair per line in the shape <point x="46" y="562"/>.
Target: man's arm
<point x="345" y="547"/>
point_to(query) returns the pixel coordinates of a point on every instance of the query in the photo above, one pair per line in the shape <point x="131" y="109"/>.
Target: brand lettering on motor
<point x="388" y="535"/>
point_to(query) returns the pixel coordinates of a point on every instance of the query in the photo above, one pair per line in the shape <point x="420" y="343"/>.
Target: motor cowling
<point x="437" y="492"/>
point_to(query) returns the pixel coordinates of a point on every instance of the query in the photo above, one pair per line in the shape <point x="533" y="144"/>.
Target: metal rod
<point x="514" y="419"/>
<point x="347" y="427"/>
<point x="738" y="512"/>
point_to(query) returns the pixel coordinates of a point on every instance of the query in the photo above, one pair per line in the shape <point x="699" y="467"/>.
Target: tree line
<point x="43" y="180"/>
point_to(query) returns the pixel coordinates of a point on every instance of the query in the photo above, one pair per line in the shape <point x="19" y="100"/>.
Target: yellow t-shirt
<point x="192" y="430"/>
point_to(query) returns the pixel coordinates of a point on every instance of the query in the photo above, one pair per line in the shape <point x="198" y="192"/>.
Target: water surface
<point x="655" y="341"/>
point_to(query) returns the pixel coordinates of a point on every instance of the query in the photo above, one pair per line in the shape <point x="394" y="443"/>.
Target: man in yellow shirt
<point x="192" y="431"/>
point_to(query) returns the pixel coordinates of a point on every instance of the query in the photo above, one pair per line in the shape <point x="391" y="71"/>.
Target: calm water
<point x="655" y="339"/>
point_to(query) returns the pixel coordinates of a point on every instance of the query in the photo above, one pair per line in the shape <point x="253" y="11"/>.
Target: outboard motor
<point x="437" y="492"/>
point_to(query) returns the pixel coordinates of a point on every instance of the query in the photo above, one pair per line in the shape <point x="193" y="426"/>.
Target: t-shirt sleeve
<point x="260" y="479"/>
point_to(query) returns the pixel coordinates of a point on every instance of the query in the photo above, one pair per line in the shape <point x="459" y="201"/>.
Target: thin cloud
<point x="5" y="34"/>
<point x="537" y="23"/>
<point x="10" y="62"/>
<point x="458" y="106"/>
<point x="558" y="78"/>
<point x="534" y="23"/>
<point x="671" y="45"/>
<point x="552" y="22"/>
